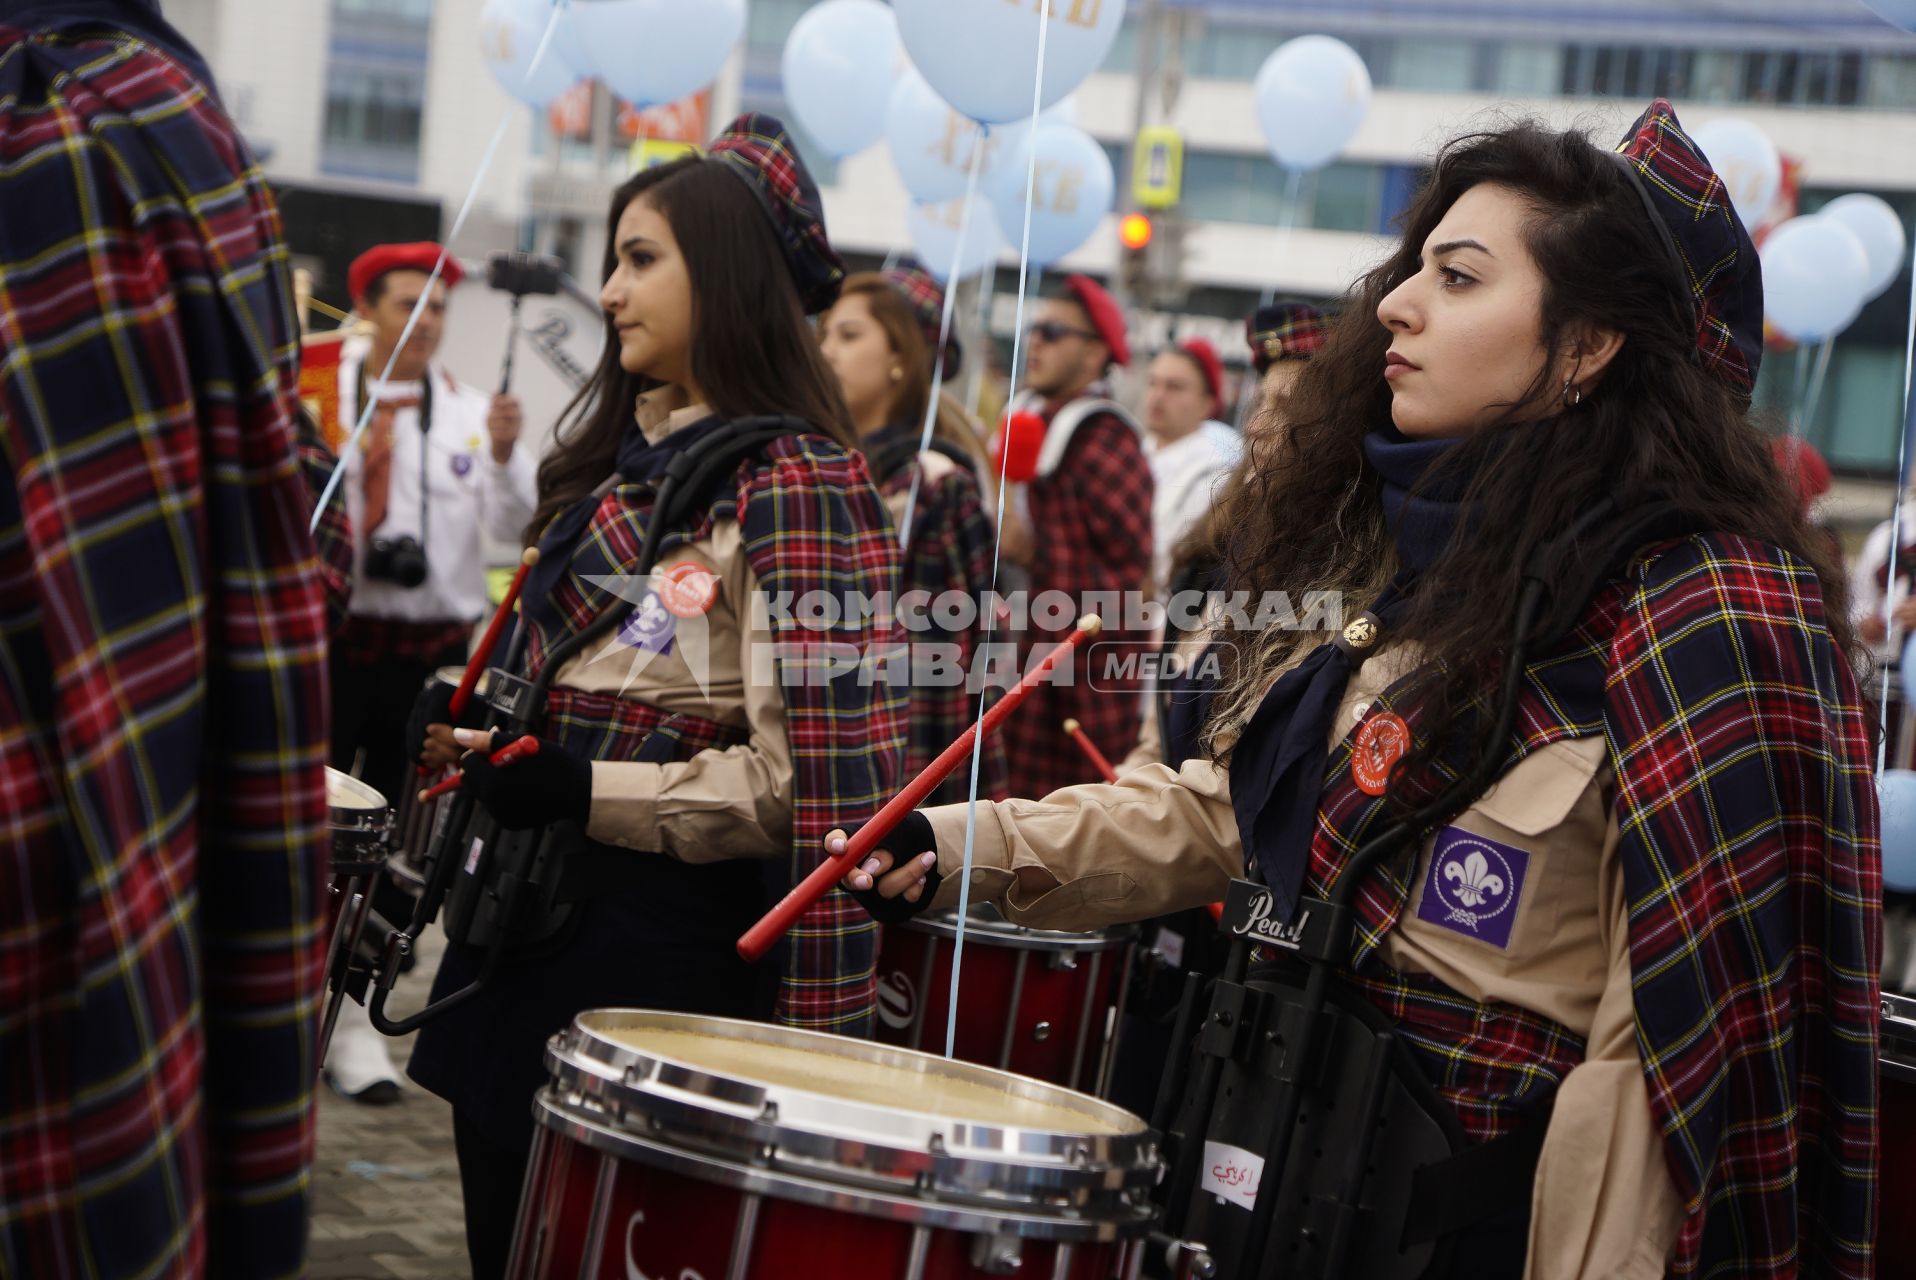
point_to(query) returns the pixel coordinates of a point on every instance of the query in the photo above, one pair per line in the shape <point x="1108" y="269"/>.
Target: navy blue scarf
<point x="639" y="461"/>
<point x="1278" y="766"/>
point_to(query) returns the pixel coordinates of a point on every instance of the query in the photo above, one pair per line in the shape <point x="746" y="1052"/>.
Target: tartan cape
<point x="950" y="551"/>
<point x="811" y="522"/>
<point x="1749" y="829"/>
<point x="1091" y="527"/>
<point x="162" y="684"/>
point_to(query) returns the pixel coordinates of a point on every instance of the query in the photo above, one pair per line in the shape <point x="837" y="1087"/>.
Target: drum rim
<point x="338" y="781"/>
<point x="948" y="1171"/>
<point x="1899" y="1015"/>
<point x="999" y="932"/>
<point x="453" y="675"/>
<point x="783" y="1184"/>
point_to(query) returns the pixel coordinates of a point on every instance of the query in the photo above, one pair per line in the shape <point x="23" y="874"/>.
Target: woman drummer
<point x="1664" y="916"/>
<point x="880" y="339"/>
<point x="698" y="745"/>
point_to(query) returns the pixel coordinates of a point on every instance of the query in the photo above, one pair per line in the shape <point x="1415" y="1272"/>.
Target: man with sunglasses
<point x="1082" y="526"/>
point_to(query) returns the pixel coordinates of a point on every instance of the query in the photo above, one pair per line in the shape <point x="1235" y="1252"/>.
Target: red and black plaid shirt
<point x="1091" y="533"/>
<point x="162" y="685"/>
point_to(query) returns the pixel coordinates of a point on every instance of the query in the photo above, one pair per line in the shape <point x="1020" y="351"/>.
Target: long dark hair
<point x="1656" y="425"/>
<point x="752" y="349"/>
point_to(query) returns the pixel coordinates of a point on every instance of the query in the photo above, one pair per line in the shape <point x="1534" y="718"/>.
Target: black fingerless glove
<point x="532" y="791"/>
<point x="907" y="840"/>
<point x="434" y="706"/>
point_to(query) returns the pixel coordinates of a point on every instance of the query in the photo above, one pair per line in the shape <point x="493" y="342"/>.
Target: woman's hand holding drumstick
<point x="759" y="938"/>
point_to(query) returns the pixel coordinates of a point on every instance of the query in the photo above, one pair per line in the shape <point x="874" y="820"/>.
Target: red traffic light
<point x="1134" y="231"/>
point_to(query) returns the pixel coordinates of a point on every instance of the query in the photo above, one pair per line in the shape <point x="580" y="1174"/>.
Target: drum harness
<point x="1364" y="1167"/>
<point x="505" y="889"/>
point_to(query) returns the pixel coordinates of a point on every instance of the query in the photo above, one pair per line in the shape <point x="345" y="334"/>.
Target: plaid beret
<point x="1284" y="331"/>
<point x="1717" y="270"/>
<point x="757" y="148"/>
<point x="381" y="259"/>
<point x="927" y="301"/>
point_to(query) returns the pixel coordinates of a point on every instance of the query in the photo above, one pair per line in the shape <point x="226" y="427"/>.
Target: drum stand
<point x="355" y="909"/>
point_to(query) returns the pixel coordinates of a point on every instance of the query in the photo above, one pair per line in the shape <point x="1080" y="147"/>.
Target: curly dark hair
<point x="1307" y="515"/>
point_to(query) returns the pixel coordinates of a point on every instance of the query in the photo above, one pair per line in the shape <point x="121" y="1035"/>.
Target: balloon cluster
<point x="647" y="51"/>
<point x="1819" y="269"/>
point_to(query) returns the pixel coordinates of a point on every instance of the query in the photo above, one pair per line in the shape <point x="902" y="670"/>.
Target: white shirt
<point x="466" y="491"/>
<point x="1186" y="474"/>
<point x="1866" y="595"/>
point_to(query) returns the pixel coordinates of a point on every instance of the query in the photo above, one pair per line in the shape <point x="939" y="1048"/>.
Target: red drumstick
<point x="477" y="663"/>
<point x="1090" y="749"/>
<point x="526" y="746"/>
<point x="759" y="938"/>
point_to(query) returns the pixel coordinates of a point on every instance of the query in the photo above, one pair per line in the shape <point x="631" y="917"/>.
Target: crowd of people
<point x="1540" y="398"/>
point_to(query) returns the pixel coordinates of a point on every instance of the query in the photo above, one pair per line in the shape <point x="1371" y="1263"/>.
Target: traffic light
<point x="1134" y="242"/>
<point x="1134" y="232"/>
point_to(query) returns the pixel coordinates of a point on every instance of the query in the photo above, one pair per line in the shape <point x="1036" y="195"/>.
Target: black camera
<point x="398" y="560"/>
<point x="522" y="274"/>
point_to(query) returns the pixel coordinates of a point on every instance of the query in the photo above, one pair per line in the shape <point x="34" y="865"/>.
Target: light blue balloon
<point x="1312" y="95"/>
<point x="1071" y="195"/>
<point x="1902" y="13"/>
<point x="840" y="64"/>
<point x="933" y="229"/>
<point x="932" y="144"/>
<point x="651" y="52"/>
<point x="509" y="34"/>
<point x="982" y="55"/>
<point x="1896" y="792"/>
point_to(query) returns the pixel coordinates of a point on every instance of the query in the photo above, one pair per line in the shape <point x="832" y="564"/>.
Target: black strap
<point x="1475" y="1185"/>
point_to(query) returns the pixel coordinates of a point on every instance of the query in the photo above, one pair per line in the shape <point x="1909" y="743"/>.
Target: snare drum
<point x="1896" y="1232"/>
<point x="1033" y="1001"/>
<point x="360" y="823"/>
<point x="675" y="1145"/>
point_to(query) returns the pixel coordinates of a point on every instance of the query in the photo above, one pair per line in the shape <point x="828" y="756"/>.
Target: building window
<point x="1441" y="66"/>
<point x="376" y="89"/>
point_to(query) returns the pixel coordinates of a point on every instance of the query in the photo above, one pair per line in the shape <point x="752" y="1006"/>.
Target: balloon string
<point x="944" y="336"/>
<point x="1287" y="219"/>
<point x="1815" y="395"/>
<point x="975" y="380"/>
<point x="998" y="534"/>
<point x="425" y="295"/>
<point x="1896" y="510"/>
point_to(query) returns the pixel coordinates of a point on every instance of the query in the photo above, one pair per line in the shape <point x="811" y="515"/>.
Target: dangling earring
<point x="897" y="374"/>
<point x="1572" y="396"/>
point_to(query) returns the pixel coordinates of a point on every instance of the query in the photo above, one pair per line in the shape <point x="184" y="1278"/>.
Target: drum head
<point x="984" y="923"/>
<point x="345" y="792"/>
<point x="451" y="676"/>
<point x="846" y="1070"/>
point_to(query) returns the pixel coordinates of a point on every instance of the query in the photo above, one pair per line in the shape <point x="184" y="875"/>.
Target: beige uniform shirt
<point x="1157" y="841"/>
<point x="722" y="803"/>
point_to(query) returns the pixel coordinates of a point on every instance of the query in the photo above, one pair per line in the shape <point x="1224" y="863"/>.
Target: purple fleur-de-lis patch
<point x="651" y="626"/>
<point x="1474" y="886"/>
<point x="462" y="465"/>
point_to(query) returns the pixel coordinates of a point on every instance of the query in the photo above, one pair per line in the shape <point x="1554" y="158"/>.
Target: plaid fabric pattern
<point x="1690" y="207"/>
<point x="811" y="521"/>
<point x="162" y="685"/>
<point x="1284" y="331"/>
<point x="927" y="299"/>
<point x="334" y="535"/>
<point x="1749" y="848"/>
<point x="951" y="546"/>
<point x="757" y="148"/>
<point x="599" y="726"/>
<point x="380" y="642"/>
<point x="1091" y="525"/>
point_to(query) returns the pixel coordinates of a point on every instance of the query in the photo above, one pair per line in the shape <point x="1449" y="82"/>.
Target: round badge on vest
<point x="1381" y="743"/>
<point x="688" y="589"/>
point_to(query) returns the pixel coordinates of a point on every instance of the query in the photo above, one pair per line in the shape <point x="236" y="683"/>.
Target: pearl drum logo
<point x="1260" y="925"/>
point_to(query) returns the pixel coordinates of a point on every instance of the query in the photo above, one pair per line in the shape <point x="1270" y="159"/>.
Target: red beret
<point x="1206" y="356"/>
<point x="1802" y="466"/>
<point x="380" y="259"/>
<point x="1106" y="316"/>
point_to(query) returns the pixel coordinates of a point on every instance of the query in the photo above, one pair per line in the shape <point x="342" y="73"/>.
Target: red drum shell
<point x="1031" y="1001"/>
<point x="674" y="1145"/>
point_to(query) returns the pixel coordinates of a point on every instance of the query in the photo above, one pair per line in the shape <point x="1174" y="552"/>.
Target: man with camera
<point x="438" y="464"/>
